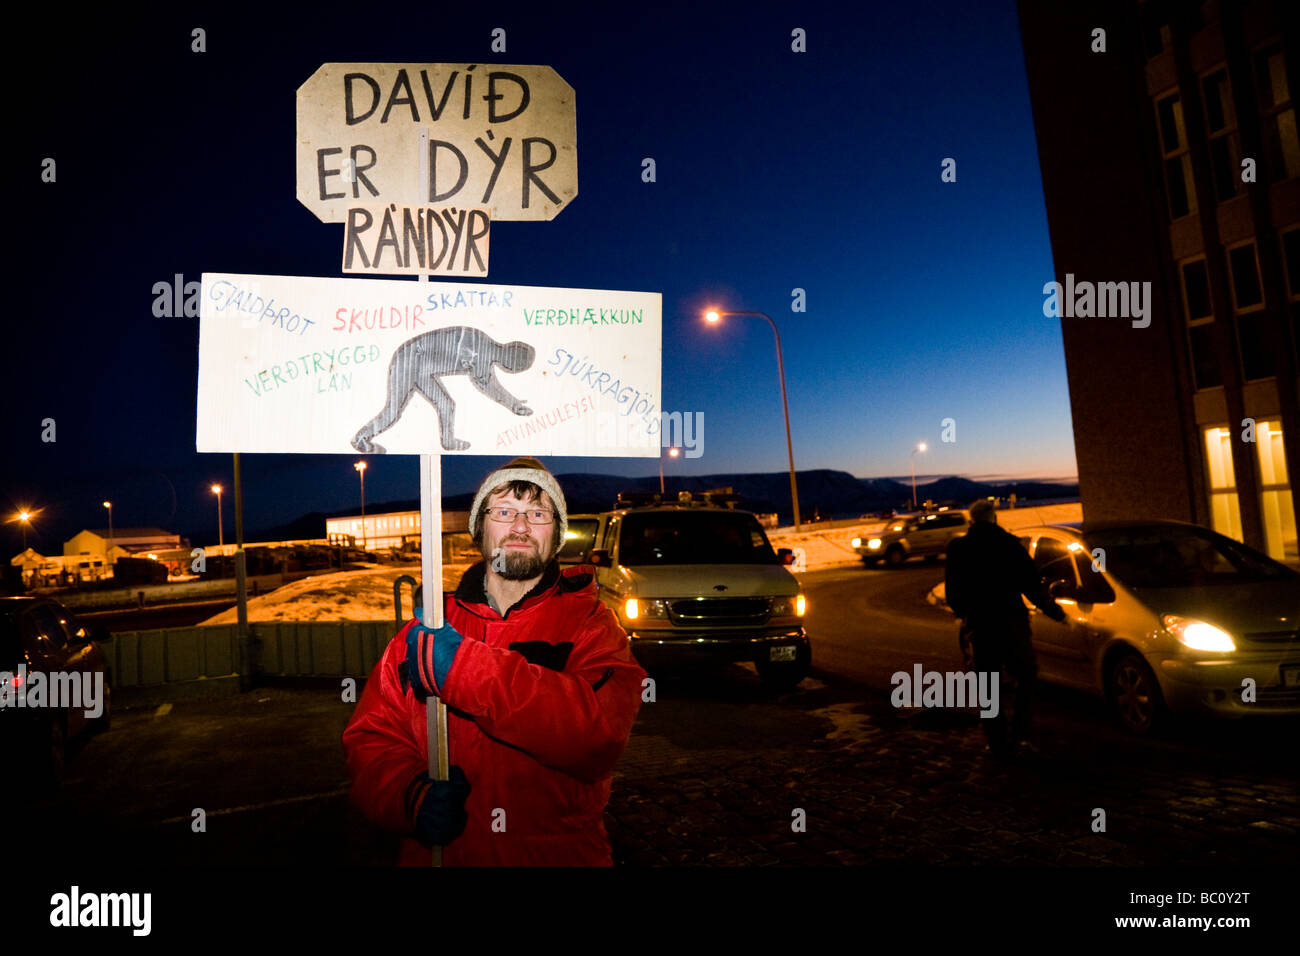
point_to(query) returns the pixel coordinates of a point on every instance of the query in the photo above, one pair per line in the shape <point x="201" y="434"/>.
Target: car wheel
<point x="1134" y="695"/>
<point x="785" y="675"/>
<point x="895" y="556"/>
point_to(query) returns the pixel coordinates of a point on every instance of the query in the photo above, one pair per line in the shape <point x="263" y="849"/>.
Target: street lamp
<point x="672" y="453"/>
<point x="920" y="447"/>
<point x="714" y="316"/>
<point x="25" y="518"/>
<point x="221" y="531"/>
<point x="108" y="556"/>
<point x="360" y="466"/>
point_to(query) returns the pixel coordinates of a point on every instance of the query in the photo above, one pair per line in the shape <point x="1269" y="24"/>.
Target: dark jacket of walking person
<point x="988" y="571"/>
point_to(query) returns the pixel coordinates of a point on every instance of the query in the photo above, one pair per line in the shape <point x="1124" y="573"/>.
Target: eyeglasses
<point x="531" y="516"/>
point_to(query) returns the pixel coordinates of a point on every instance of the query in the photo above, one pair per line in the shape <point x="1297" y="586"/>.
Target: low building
<point x="108" y="545"/>
<point x="394" y="530"/>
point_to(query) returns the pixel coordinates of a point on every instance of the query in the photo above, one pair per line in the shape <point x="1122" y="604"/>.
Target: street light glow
<point x="216" y="489"/>
<point x="360" y="466"/>
<point x="108" y="504"/>
<point x="713" y="315"/>
<point x="674" y="452"/>
<point x="921" y="447"/>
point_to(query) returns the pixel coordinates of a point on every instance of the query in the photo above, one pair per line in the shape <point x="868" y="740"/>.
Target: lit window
<point x="1275" y="493"/>
<point x="1225" y="512"/>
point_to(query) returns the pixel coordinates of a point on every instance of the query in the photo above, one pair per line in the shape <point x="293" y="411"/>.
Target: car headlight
<point x="856" y="542"/>
<point x="793" y="605"/>
<point x="645" y="609"/>
<point x="873" y="544"/>
<point x="1198" y="635"/>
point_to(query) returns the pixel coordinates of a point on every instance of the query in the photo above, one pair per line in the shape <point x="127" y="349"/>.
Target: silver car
<point x="1167" y="618"/>
<point x="911" y="536"/>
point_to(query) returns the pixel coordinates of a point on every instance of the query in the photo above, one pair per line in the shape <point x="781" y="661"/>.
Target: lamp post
<point x="361" y="469"/>
<point x="108" y="555"/>
<point x="24" y="518"/>
<point x="221" y="531"/>
<point x="714" y="316"/>
<point x="672" y="453"/>
<point x="920" y="447"/>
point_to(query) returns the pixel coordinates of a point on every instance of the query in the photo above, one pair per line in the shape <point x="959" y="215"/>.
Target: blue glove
<point x="429" y="654"/>
<point x="440" y="817"/>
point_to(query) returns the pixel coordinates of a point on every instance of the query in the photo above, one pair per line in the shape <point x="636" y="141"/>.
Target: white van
<point x="692" y="582"/>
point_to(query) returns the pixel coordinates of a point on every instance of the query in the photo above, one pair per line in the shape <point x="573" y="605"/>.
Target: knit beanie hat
<point x="522" y="469"/>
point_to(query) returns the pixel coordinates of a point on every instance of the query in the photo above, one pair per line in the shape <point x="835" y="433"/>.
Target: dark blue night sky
<point x="776" y="170"/>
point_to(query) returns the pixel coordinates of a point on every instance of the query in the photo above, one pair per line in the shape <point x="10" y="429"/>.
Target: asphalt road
<point x="866" y="624"/>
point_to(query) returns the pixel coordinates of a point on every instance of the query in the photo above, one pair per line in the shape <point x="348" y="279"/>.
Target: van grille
<point x="720" y="612"/>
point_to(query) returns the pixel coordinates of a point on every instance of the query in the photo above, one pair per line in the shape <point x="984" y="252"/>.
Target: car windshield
<point x="693" y="537"/>
<point x="578" y="537"/>
<point x="1181" y="557"/>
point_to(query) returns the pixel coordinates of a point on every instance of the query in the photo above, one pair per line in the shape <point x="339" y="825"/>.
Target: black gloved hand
<point x="441" y="816"/>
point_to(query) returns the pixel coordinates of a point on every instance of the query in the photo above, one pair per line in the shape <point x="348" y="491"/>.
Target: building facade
<point x="1170" y="165"/>
<point x="396" y="530"/>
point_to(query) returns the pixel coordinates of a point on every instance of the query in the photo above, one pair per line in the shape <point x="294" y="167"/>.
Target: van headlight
<point x="644" y="609"/>
<point x="1198" y="635"/>
<point x="793" y="605"/>
<point x="874" y="544"/>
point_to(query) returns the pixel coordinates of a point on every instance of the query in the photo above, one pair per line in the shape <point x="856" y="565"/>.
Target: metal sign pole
<point x="435" y="711"/>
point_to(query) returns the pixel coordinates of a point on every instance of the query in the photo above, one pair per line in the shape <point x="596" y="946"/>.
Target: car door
<point x="56" y="656"/>
<point x="924" y="539"/>
<point x="607" y="540"/>
<point x="1097" y="619"/>
<point x="1061" y="646"/>
<point x="954" y="525"/>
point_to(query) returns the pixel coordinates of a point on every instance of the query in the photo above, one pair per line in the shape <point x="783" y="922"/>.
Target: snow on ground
<point x="364" y="595"/>
<point x="367" y="594"/>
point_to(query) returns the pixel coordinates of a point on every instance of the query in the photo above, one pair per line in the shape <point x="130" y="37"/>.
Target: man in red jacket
<point x="541" y="691"/>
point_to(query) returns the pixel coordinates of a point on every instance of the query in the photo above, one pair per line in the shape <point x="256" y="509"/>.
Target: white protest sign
<point x="321" y="366"/>
<point x="505" y="137"/>
<point x="416" y="240"/>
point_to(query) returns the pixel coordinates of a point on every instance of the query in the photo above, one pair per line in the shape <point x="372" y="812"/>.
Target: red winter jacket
<point x="540" y="705"/>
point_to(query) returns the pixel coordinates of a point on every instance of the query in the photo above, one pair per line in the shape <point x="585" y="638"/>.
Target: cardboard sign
<point x="416" y="240"/>
<point x="504" y="137"/>
<point x="293" y="364"/>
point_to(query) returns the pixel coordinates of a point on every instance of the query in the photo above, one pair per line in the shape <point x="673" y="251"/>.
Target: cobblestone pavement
<point x="880" y="786"/>
<point x="712" y="776"/>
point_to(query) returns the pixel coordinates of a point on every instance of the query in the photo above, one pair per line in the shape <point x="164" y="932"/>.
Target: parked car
<point x="925" y="535"/>
<point x="578" y="539"/>
<point x="41" y="635"/>
<point x="695" y="583"/>
<point x="1165" y="618"/>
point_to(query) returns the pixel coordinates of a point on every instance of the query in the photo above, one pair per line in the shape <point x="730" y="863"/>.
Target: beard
<point x="516" y="565"/>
